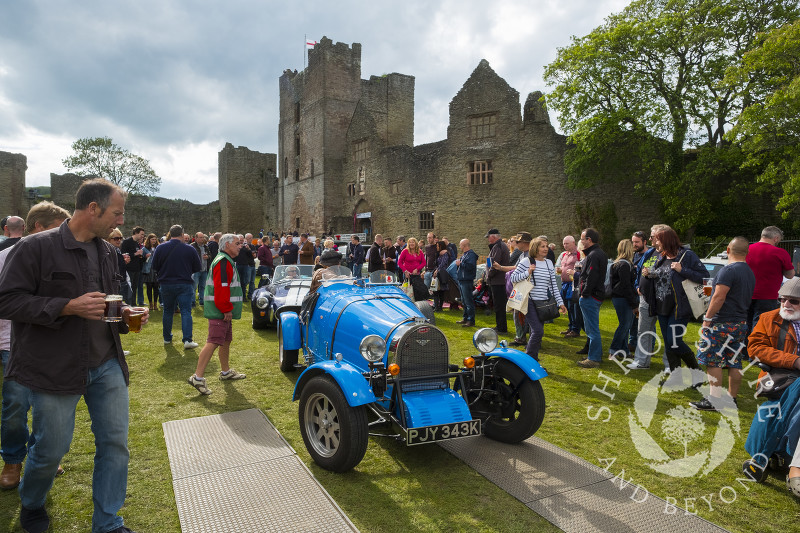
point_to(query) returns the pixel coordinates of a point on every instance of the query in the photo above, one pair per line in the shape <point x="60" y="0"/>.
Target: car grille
<point x="423" y="351"/>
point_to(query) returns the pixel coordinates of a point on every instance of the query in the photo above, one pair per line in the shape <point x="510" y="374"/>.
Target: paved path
<point x="235" y="473"/>
<point x="573" y="494"/>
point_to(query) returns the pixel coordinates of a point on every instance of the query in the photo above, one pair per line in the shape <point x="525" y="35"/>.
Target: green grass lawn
<point x="395" y="488"/>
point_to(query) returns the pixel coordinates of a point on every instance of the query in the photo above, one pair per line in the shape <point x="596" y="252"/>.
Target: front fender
<point x="290" y="330"/>
<point x="353" y="384"/>
<point x="525" y="362"/>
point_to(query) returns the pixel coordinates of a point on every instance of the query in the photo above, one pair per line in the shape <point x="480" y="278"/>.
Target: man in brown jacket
<point x="306" y="252"/>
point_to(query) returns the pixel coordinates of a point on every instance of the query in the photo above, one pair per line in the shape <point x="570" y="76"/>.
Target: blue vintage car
<point x="375" y="365"/>
<point x="284" y="291"/>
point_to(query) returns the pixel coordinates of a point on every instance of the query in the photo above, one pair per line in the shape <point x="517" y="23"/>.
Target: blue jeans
<point x="466" y="288"/>
<point x="625" y="318"/>
<point x="180" y="294"/>
<point x="244" y="276"/>
<point x="14" y="435"/>
<point x="428" y="278"/>
<point x="53" y="425"/>
<point x="199" y="279"/>
<point x="572" y="309"/>
<point x="357" y="270"/>
<point x="756" y="308"/>
<point x="590" y="308"/>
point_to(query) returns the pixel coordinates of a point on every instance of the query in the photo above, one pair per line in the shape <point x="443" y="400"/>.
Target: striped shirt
<point x="544" y="278"/>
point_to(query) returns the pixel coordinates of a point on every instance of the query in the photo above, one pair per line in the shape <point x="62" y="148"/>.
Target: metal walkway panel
<point x="235" y="473"/>
<point x="569" y="492"/>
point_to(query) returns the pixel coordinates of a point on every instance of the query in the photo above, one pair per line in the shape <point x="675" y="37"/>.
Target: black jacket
<point x="593" y="274"/>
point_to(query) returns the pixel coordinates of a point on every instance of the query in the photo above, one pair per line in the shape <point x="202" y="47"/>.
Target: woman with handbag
<point x="412" y="262"/>
<point x="624" y="297"/>
<point x="669" y="301"/>
<point x="544" y="299"/>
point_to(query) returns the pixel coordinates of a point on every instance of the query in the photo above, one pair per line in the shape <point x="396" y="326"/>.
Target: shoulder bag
<point x="547" y="309"/>
<point x="694" y="292"/>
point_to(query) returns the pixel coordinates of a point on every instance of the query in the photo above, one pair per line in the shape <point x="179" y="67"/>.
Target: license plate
<point x="455" y="430"/>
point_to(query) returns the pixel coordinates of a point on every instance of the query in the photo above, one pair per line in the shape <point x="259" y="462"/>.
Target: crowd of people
<point x="54" y="282"/>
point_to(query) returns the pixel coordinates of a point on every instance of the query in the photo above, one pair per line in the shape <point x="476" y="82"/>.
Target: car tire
<point x="335" y="434"/>
<point x="286" y="358"/>
<point x="427" y="311"/>
<point x="523" y="410"/>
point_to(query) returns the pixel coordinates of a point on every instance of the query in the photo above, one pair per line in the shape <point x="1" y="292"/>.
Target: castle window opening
<point x="297" y="174"/>
<point x="426" y="220"/>
<point x="394" y="187"/>
<point x="297" y="222"/>
<point x="360" y="150"/>
<point x="480" y="173"/>
<point x="297" y="146"/>
<point x="297" y="112"/>
<point x="482" y="126"/>
<point x="351" y="189"/>
<point x="285" y="168"/>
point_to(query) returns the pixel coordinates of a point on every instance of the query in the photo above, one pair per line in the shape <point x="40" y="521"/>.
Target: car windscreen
<point x="288" y="273"/>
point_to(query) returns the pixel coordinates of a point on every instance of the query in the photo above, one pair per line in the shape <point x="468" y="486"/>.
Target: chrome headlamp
<point x="372" y="348"/>
<point x="261" y="302"/>
<point x="485" y="340"/>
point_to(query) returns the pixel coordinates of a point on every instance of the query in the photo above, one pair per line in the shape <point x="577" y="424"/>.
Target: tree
<point x="769" y="128"/>
<point x="99" y="156"/>
<point x="639" y="90"/>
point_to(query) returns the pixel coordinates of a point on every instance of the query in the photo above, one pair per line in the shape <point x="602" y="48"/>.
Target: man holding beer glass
<point x="54" y="290"/>
<point x="724" y="330"/>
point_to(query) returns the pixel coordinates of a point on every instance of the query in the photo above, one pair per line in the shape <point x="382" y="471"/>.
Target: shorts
<point x="712" y="349"/>
<point x="219" y="331"/>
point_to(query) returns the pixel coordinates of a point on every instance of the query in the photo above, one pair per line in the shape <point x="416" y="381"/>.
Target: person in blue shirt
<point x="467" y="267"/>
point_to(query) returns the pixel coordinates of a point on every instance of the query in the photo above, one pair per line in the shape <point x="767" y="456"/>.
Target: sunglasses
<point x="116" y="238"/>
<point x="793" y="301"/>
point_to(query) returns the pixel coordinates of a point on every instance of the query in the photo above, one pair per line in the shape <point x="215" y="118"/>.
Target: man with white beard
<point x="776" y="426"/>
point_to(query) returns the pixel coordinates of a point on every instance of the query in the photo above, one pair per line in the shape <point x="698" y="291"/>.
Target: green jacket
<point x="219" y="274"/>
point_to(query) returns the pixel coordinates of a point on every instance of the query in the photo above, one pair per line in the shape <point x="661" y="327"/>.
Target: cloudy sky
<point x="173" y="81"/>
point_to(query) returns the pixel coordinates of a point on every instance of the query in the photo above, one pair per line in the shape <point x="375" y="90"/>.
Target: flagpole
<point x="305" y="49"/>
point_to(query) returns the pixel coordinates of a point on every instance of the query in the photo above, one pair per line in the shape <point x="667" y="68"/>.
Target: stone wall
<point x="13" y="200"/>
<point x="247" y="180"/>
<point x="528" y="191"/>
<point x="154" y="214"/>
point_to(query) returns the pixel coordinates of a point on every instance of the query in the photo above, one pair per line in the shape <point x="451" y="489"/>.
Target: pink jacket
<point x="409" y="263"/>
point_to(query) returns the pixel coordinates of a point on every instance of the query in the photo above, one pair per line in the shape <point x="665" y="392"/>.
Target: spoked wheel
<point x="516" y="404"/>
<point x="334" y="433"/>
<point x="287" y="358"/>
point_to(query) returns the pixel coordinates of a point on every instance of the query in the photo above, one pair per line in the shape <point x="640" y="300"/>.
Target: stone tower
<point x="246" y="189"/>
<point x="12" y="184"/>
<point x="320" y="108"/>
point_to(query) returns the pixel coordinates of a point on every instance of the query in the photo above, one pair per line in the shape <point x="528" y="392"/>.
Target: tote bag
<point x="694" y="292"/>
<point x="518" y="299"/>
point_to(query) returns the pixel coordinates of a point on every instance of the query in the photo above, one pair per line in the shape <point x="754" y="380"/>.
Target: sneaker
<point x="122" y="529"/>
<point x="588" y="363"/>
<point x="232" y="374"/>
<point x="565" y="332"/>
<point x="703" y="405"/>
<point x="188" y="345"/>
<point x="126" y="353"/>
<point x="168" y="342"/>
<point x="199" y="384"/>
<point x="636" y="366"/>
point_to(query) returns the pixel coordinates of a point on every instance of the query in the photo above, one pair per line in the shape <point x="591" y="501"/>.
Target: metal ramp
<point x="572" y="494"/>
<point x="235" y="473"/>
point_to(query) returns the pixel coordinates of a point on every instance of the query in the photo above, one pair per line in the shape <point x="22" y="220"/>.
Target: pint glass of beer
<point x="707" y="286"/>
<point x="135" y="319"/>
<point x="113" y="312"/>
